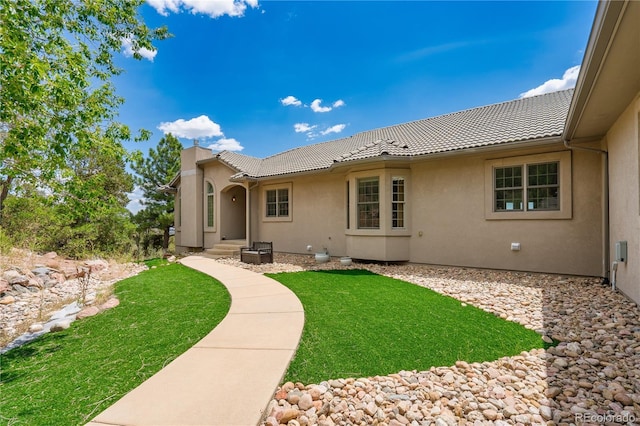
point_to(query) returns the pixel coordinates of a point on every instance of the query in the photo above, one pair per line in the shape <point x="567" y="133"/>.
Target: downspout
<point x="605" y="200"/>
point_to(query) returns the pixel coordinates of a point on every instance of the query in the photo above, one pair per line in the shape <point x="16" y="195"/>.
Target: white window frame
<point x="396" y="212"/>
<point x="563" y="158"/>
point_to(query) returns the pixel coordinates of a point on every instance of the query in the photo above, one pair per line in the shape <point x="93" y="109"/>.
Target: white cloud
<point x="212" y="8"/>
<point x="567" y="81"/>
<point x="144" y="52"/>
<point x="334" y="129"/>
<point x="199" y="127"/>
<point x="136" y="200"/>
<point x="338" y="103"/>
<point x="290" y="100"/>
<point x="315" y="106"/>
<point x="224" y="144"/>
<point x="303" y="127"/>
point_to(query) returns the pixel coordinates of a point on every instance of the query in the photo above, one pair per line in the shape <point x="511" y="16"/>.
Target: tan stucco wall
<point x="317" y="215"/>
<point x="449" y="205"/>
<point x="229" y="222"/>
<point x="446" y="219"/>
<point x="446" y="204"/>
<point x="624" y="198"/>
<point x="189" y="233"/>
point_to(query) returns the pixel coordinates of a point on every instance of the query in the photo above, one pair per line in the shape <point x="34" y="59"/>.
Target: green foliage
<point x="58" y="134"/>
<point x="157" y="169"/>
<point x="5" y="242"/>
<point x="87" y="217"/>
<point x="57" y="99"/>
<point x="30" y="222"/>
<point x="359" y="324"/>
<point x="67" y="378"/>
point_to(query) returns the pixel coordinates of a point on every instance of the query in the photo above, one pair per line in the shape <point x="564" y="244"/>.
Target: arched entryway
<point x="233" y="213"/>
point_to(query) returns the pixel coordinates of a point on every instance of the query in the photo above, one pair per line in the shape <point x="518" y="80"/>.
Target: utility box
<point x="621" y="251"/>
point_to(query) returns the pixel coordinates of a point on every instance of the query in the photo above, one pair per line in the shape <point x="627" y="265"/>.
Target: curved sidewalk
<point x="229" y="376"/>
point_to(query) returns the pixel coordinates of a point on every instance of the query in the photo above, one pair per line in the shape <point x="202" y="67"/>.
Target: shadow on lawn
<point x="46" y="344"/>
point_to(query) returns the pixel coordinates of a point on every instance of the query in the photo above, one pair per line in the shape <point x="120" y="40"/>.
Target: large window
<point x="527" y="187"/>
<point x="277" y="202"/>
<point x="397" y="203"/>
<point x="210" y="205"/>
<point x="369" y="203"/>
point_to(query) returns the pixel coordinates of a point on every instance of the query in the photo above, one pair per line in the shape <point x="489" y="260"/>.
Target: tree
<point x="56" y="62"/>
<point x="157" y="169"/>
<point x="93" y="204"/>
<point x="88" y="215"/>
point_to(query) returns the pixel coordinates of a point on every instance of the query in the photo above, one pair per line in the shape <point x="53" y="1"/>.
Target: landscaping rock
<point x="111" y="303"/>
<point x="594" y="368"/>
<point x="46" y="288"/>
<point x="89" y="311"/>
<point x="60" y="325"/>
<point x="7" y="300"/>
<point x="34" y="328"/>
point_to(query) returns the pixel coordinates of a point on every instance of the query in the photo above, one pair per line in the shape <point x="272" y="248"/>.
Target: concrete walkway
<point x="228" y="377"/>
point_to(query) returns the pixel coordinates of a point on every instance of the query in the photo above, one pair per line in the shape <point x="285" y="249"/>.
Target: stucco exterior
<point x="624" y="196"/>
<point x="445" y="217"/>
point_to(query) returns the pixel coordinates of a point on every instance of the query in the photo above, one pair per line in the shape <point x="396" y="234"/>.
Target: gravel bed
<point x="591" y="377"/>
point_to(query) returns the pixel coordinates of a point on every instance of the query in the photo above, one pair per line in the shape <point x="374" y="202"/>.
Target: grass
<point x="359" y="324"/>
<point x="71" y="376"/>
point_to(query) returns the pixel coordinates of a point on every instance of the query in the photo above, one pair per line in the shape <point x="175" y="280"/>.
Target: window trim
<point x="359" y="203"/>
<point x="563" y="158"/>
<point x="207" y="194"/>
<point x="403" y="211"/>
<point x="263" y="202"/>
<point x="385" y="175"/>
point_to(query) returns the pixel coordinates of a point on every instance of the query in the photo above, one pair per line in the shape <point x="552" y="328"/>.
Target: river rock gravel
<point x="34" y="286"/>
<point x="591" y="377"/>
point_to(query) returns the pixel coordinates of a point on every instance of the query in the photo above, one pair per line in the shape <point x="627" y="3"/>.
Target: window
<point x="210" y="205"/>
<point x="529" y="187"/>
<point x="542" y="188"/>
<point x="508" y="186"/>
<point x="368" y="203"/>
<point x="348" y="207"/>
<point x="397" y="203"/>
<point x="277" y="202"/>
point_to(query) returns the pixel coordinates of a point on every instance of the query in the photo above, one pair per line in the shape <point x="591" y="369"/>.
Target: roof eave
<point x="605" y="29"/>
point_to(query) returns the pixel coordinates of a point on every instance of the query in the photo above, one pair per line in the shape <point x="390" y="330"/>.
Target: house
<point x="606" y="110"/>
<point x="522" y="185"/>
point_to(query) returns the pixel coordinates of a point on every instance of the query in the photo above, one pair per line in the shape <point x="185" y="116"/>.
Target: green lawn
<point x="359" y="324"/>
<point x="67" y="378"/>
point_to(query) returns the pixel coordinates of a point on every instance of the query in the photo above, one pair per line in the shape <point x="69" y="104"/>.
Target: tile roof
<point x="525" y="119"/>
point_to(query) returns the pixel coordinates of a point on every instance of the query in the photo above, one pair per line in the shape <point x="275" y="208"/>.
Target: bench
<point x="259" y="252"/>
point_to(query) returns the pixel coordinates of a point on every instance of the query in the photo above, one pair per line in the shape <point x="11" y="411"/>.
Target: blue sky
<point x="261" y="77"/>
